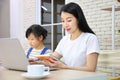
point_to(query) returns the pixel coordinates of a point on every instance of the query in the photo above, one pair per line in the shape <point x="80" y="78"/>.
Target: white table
<point x="61" y="74"/>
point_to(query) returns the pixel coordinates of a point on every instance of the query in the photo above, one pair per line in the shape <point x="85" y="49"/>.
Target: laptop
<point x="12" y="55"/>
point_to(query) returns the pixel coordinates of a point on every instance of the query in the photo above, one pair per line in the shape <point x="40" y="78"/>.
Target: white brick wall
<point x="29" y="15"/>
<point x="99" y="20"/>
<point x="29" y="12"/>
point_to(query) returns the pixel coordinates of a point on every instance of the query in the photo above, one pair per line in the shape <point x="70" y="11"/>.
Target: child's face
<point x="33" y="41"/>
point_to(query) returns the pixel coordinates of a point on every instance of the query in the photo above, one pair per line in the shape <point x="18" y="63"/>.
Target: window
<point x="48" y="16"/>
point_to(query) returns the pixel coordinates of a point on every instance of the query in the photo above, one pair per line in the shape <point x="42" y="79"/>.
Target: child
<point x="36" y="36"/>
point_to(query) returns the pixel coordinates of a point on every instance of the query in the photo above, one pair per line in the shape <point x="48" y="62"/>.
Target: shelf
<point x="110" y="9"/>
<point x="113" y="9"/>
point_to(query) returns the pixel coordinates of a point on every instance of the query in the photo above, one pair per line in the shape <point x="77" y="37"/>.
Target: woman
<point x="80" y="48"/>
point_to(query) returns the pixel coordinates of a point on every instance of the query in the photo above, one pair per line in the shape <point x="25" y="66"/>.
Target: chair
<point x="114" y="78"/>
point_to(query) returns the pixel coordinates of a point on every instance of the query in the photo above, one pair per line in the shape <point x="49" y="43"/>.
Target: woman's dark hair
<point x="37" y="30"/>
<point x="76" y="11"/>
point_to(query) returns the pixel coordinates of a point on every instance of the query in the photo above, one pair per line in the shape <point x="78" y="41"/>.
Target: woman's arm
<point x="91" y="63"/>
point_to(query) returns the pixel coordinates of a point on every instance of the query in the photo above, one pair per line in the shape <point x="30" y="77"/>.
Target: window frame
<point x="38" y="20"/>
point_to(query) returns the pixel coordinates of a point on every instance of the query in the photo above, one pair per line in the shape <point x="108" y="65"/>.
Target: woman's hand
<point x="55" y="63"/>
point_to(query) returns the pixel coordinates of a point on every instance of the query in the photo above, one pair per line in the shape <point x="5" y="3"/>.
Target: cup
<point x="37" y="69"/>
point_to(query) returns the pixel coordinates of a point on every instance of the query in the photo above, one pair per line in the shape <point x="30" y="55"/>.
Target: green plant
<point x="118" y="31"/>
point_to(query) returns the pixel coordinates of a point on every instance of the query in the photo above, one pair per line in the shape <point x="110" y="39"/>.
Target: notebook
<point x="12" y="55"/>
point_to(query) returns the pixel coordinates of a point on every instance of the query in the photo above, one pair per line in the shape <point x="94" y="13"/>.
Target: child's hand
<point x="33" y="61"/>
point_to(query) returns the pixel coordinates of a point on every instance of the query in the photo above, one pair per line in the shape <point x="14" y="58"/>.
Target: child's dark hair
<point x="37" y="30"/>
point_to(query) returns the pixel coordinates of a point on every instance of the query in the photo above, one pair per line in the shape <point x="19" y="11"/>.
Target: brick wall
<point x="29" y="16"/>
<point x="29" y="12"/>
<point x="99" y="20"/>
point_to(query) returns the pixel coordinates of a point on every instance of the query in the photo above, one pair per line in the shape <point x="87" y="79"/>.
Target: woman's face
<point x="69" y="22"/>
<point x="33" y="41"/>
